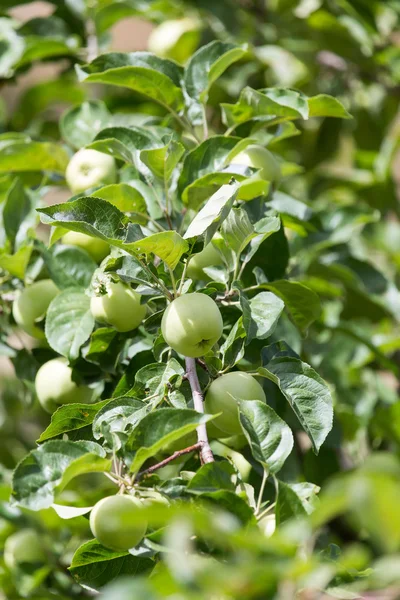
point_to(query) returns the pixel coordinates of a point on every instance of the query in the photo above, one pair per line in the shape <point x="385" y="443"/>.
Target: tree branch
<point x="167" y="460"/>
<point x="206" y="454"/>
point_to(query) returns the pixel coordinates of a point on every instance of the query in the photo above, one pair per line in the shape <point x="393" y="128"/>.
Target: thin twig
<point x="167" y="460"/>
<point x="206" y="454"/>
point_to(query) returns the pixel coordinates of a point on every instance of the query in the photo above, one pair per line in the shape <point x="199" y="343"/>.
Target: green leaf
<point x="151" y="380"/>
<point x="45" y="94"/>
<point x="69" y="266"/>
<point x="80" y="124"/>
<point x="208" y="157"/>
<point x="262" y="106"/>
<point x="125" y="143"/>
<point x="99" y="218"/>
<point x="232" y="350"/>
<point x="167" y="245"/>
<point x="293" y="500"/>
<point x="69" y="322"/>
<point x="302" y="303"/>
<point x="71" y="417"/>
<point x="265" y="310"/>
<point x="213" y="477"/>
<point x="48" y="469"/>
<point x="307" y="394"/>
<point x="93" y="565"/>
<point x="155" y="77"/>
<point x="33" y="156"/>
<point x="126" y="198"/>
<point x="162" y="161"/>
<point x="116" y="419"/>
<point x="210" y="217"/>
<point x="41" y="48"/>
<point x="89" y="215"/>
<point x="203" y="188"/>
<point x="203" y="69"/>
<point x="15" y="210"/>
<point x="270" y="439"/>
<point x="158" y="430"/>
<point x="327" y="106"/>
<point x="16" y="264"/>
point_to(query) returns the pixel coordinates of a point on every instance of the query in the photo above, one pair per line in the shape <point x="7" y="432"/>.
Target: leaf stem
<point x="261" y="493"/>
<point x="206" y="454"/>
<point x="167" y="460"/>
<point x="173" y="282"/>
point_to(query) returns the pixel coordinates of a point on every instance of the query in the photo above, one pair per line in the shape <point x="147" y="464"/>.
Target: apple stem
<point x="206" y="454"/>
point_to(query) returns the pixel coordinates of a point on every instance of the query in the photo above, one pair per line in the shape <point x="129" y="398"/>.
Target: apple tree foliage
<point x="303" y="502"/>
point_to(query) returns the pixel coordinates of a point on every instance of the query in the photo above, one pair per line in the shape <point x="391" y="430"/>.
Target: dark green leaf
<point x="47" y="470"/>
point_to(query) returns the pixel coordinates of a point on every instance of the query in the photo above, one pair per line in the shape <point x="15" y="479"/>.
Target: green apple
<point x="258" y="157"/>
<point x="208" y="257"/>
<point x="54" y="386"/>
<point x="176" y="39"/>
<point x="222" y="397"/>
<point x="24" y="546"/>
<point x="114" y="522"/>
<point x="31" y="306"/>
<point x="192" y="324"/>
<point x="119" y="306"/>
<point x="89" y="168"/>
<point x="95" y="247"/>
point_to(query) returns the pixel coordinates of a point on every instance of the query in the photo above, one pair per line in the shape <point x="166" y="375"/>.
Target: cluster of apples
<point x="191" y="325"/>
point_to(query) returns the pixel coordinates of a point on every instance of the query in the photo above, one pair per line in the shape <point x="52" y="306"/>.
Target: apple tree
<point x="204" y="330"/>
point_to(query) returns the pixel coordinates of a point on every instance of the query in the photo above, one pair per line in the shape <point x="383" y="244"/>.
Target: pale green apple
<point x="176" y="39"/>
<point x="31" y="306"/>
<point x="208" y="257"/>
<point x="192" y="324"/>
<point x="89" y="168"/>
<point x="257" y="157"/>
<point x="95" y="247"/>
<point x="24" y="546"/>
<point x="222" y="397"/>
<point x="54" y="386"/>
<point x="119" y="306"/>
<point x="114" y="522"/>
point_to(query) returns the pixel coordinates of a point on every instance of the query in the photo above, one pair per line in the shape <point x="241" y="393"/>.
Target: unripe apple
<point x="192" y="324"/>
<point x="268" y="525"/>
<point x="258" y="157"/>
<point x="223" y="395"/>
<point x="95" y="247"/>
<point x="176" y="39"/>
<point x="114" y="523"/>
<point x="31" y="306"/>
<point x="89" y="168"/>
<point x="54" y="386"/>
<point x="24" y="546"/>
<point x="119" y="306"/>
<point x="208" y="257"/>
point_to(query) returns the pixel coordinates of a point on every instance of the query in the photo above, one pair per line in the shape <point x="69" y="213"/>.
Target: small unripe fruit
<point x="119" y="306"/>
<point x="24" y="546"/>
<point x="259" y="157"/>
<point x="208" y="257"/>
<point x="223" y="395"/>
<point x="89" y="168"/>
<point x="54" y="386"/>
<point x="31" y="306"/>
<point x="96" y="248"/>
<point x="114" y="522"/>
<point x="176" y="39"/>
<point x="192" y="324"/>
